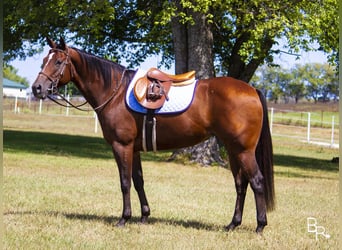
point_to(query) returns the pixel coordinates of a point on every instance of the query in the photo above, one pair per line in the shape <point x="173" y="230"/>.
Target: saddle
<point x="151" y="90"/>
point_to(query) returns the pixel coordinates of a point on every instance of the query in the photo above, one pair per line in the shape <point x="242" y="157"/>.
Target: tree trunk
<point x="180" y="44"/>
<point x="238" y="68"/>
<point x="200" y="47"/>
<point x="193" y="45"/>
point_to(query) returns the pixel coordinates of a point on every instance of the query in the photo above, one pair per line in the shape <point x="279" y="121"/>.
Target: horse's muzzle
<point x="38" y="92"/>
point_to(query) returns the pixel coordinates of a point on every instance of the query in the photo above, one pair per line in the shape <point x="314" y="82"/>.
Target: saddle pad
<point x="180" y="98"/>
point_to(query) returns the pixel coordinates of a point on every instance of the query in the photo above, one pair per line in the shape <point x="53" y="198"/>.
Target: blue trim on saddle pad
<point x="180" y="98"/>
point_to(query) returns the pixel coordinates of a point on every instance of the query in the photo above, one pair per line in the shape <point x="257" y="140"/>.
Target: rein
<point x="54" y="86"/>
<point x="68" y="102"/>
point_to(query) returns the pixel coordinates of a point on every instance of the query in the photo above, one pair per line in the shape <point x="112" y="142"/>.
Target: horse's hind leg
<point x="138" y="182"/>
<point x="241" y="184"/>
<point x="245" y="169"/>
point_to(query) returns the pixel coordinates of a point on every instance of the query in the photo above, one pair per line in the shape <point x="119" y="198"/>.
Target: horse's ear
<point x="51" y="43"/>
<point x="62" y="43"/>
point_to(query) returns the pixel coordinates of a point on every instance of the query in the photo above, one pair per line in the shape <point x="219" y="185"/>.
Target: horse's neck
<point x="92" y="85"/>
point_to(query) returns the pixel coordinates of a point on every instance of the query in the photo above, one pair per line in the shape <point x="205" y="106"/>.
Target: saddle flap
<point x="140" y="88"/>
<point x="143" y="87"/>
<point x="158" y="102"/>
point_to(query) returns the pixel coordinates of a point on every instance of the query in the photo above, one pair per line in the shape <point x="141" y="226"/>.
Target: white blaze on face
<point x="49" y="59"/>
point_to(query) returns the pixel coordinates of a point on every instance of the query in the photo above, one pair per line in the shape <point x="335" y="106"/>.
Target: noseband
<point x="55" y="80"/>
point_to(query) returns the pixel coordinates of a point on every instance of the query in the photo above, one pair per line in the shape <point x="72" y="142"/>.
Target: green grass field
<point x="62" y="191"/>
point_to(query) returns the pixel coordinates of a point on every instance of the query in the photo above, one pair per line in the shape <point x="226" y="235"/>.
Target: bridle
<point x="53" y="90"/>
<point x="55" y="80"/>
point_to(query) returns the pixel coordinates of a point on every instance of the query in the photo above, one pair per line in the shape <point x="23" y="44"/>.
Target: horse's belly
<point x="177" y="132"/>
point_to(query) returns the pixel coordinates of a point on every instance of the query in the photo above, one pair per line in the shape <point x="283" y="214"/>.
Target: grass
<point x="62" y="191"/>
<point x="297" y="114"/>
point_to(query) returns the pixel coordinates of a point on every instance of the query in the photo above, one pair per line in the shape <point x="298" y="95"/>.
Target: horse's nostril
<point x="36" y="89"/>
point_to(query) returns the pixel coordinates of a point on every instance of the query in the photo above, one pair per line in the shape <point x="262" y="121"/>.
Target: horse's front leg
<point x="138" y="181"/>
<point x="124" y="157"/>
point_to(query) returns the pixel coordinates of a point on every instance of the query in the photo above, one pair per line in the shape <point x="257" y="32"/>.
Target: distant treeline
<point x="313" y="81"/>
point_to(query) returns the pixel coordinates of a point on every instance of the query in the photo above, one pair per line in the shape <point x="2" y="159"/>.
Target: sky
<point x="31" y="66"/>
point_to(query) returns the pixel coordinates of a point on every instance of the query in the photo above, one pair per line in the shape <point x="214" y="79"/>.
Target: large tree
<point x="233" y="37"/>
<point x="243" y="31"/>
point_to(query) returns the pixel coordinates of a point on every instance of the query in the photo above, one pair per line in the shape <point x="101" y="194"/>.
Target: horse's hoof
<point x="259" y="230"/>
<point x="121" y="223"/>
<point x="143" y="220"/>
<point x="230" y="227"/>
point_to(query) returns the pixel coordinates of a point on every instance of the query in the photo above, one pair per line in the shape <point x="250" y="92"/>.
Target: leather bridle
<point x="53" y="90"/>
<point x="55" y="79"/>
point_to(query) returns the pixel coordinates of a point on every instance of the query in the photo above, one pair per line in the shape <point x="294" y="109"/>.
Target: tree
<point x="313" y="81"/>
<point x="296" y="86"/>
<point x="243" y="31"/>
<point x="331" y="83"/>
<point x="316" y="81"/>
<point x="268" y="80"/>
<point x="11" y="73"/>
<point x="232" y="36"/>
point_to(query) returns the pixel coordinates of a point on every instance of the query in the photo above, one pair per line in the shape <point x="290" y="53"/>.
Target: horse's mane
<point x="102" y="66"/>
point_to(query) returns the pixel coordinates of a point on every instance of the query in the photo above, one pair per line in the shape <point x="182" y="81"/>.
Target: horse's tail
<point x="264" y="156"/>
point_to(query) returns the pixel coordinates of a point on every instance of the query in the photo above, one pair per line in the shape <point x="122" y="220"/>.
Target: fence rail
<point x="311" y="127"/>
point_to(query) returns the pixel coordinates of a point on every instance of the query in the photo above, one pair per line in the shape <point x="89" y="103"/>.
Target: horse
<point x="230" y="109"/>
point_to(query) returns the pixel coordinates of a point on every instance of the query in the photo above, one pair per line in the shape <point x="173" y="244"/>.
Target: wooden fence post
<point x="67" y="106"/>
<point x="271" y="120"/>
<point x="40" y="106"/>
<point x="308" y="132"/>
<point x="95" y="116"/>
<point x="16" y="104"/>
<point x="332" y="130"/>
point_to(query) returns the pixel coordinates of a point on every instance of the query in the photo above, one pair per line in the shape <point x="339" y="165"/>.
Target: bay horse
<point x="227" y="108"/>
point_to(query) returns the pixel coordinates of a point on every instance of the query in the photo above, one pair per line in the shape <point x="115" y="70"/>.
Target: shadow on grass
<point x="56" y="144"/>
<point x="95" y="147"/>
<point x="303" y="163"/>
<point x="112" y="220"/>
<point x="64" y="145"/>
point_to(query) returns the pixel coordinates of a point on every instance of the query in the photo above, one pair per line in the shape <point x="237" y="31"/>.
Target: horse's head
<point x="56" y="70"/>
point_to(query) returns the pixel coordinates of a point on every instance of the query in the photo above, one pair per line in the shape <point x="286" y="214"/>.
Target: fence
<point x="47" y="107"/>
<point x="311" y="127"/>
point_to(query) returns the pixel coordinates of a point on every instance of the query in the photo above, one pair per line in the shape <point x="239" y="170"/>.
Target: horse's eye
<point x="58" y="62"/>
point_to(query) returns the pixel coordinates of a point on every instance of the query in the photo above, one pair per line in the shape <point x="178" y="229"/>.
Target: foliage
<point x="244" y="31"/>
<point x="313" y="81"/>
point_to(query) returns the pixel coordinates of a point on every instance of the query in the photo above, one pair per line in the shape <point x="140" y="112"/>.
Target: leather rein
<point x="54" y="86"/>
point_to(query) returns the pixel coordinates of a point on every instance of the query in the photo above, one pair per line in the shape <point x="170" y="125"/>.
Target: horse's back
<point x="229" y="87"/>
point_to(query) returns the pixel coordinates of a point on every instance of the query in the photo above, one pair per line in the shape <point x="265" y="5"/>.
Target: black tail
<point x="264" y="156"/>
